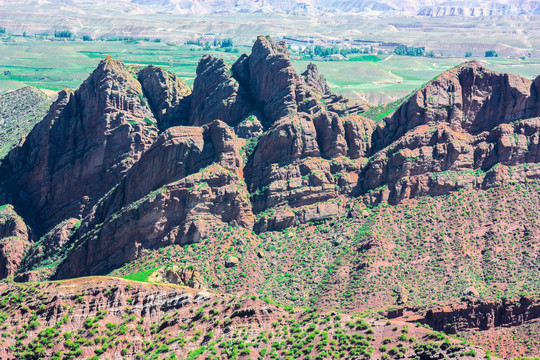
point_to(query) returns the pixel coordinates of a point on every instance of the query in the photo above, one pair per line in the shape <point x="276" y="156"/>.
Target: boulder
<point x="232" y="261"/>
<point x="179" y="275"/>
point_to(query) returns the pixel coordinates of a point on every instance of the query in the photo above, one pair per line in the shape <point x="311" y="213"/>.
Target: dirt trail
<point x="387" y="58"/>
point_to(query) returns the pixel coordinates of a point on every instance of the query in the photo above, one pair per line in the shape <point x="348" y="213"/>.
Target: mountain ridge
<point x="263" y="181"/>
<point x="314" y="149"/>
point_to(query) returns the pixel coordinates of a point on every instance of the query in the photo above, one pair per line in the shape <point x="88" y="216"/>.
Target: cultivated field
<point x="54" y="65"/>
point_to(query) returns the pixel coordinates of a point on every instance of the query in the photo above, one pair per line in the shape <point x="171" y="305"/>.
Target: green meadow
<point x="54" y="65"/>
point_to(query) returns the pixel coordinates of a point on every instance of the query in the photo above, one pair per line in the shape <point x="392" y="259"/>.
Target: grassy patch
<point x="370" y="58"/>
<point x="141" y="275"/>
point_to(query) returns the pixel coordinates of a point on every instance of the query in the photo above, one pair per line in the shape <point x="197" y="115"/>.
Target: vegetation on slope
<point x="20" y="110"/>
<point x="434" y="248"/>
<point x="98" y="318"/>
<point x="378" y="113"/>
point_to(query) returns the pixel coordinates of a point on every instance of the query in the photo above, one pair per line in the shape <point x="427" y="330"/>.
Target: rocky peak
<point x="112" y="87"/>
<point x="168" y="96"/>
<point x="273" y="81"/>
<point x="469" y="97"/>
<point x="264" y="83"/>
<point x="316" y="81"/>
<point x="216" y="94"/>
<point x="96" y="132"/>
<point x="265" y="46"/>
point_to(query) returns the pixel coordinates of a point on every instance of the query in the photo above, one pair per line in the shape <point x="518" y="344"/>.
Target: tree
<point x="468" y="53"/>
<point x="63" y="34"/>
<point x="491" y="53"/>
<point x="411" y="51"/>
<point x="227" y="43"/>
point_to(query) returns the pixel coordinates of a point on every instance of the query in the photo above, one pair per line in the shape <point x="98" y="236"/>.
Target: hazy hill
<point x="408" y="7"/>
<point x="305" y="7"/>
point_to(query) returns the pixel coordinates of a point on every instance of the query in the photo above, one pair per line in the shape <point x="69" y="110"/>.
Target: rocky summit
<point x="261" y="182"/>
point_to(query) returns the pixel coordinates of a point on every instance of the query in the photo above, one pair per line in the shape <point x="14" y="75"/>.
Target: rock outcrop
<point x="217" y="95"/>
<point x="303" y="160"/>
<point x="168" y="96"/>
<point x="186" y="276"/>
<point x="14" y="240"/>
<point x="482" y="315"/>
<point x="82" y="148"/>
<point x="447" y="136"/>
<point x="452" y="133"/>
<point x="469" y="98"/>
<point x="187" y="184"/>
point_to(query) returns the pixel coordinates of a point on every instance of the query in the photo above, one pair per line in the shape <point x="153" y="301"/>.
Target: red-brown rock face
<point x="482" y="315"/>
<point x="301" y="161"/>
<point x="168" y="96"/>
<point x="470" y="98"/>
<point x="186" y="185"/>
<point x="447" y="136"/>
<point x="452" y="133"/>
<point x="275" y="87"/>
<point x="217" y="95"/>
<point x="98" y="156"/>
<point x="83" y="147"/>
<point x="273" y="81"/>
<point x="14" y="240"/>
